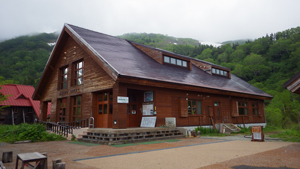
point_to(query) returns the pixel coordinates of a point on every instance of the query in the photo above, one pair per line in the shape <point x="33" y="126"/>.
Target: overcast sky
<point x="204" y="20"/>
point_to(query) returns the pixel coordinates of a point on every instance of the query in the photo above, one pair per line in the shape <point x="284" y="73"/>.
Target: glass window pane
<point x="65" y="77"/>
<point x="79" y="73"/>
<point x="167" y="59"/>
<point x="110" y="96"/>
<point x="74" y="111"/>
<point x="128" y="112"/>
<point x="213" y="70"/>
<point x="80" y="81"/>
<point x="216" y="104"/>
<point x="100" y="109"/>
<point x="133" y="98"/>
<point x="80" y="65"/>
<point x="221" y="72"/>
<point x="105" y="109"/>
<point x="184" y="63"/>
<point x="246" y="111"/>
<point x="179" y="62"/>
<point x="189" y="107"/>
<point x="225" y="73"/>
<point x="218" y="71"/>
<point x="100" y="97"/>
<point x="199" y="108"/>
<point x="173" y="61"/>
<point x="78" y="100"/>
<point x="105" y="96"/>
<point x="241" y="111"/>
<point x="78" y="110"/>
<point x="66" y="71"/>
<point x="65" y="85"/>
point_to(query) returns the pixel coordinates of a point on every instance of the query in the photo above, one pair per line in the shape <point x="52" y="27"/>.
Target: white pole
<point x="12" y="115"/>
<point x="23" y="116"/>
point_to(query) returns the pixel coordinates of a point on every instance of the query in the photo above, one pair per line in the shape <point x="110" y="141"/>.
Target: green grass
<point x="83" y="143"/>
<point x="289" y="135"/>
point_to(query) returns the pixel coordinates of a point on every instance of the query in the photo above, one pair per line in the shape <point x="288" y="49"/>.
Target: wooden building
<point x="19" y="106"/>
<point x="293" y="84"/>
<point x="90" y="74"/>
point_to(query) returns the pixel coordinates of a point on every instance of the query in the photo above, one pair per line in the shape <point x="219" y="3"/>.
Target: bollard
<point x="60" y="165"/>
<point x="54" y="162"/>
<point x="7" y="157"/>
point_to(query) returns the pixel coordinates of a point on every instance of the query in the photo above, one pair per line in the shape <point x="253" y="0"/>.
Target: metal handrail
<point x="76" y="124"/>
<point x="57" y="128"/>
<point x="91" y="124"/>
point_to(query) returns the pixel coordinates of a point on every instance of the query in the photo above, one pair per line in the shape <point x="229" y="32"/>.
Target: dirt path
<point x="185" y="153"/>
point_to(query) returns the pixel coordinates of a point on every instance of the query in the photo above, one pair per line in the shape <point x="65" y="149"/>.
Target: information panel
<point x="257" y="133"/>
<point x="148" y="109"/>
<point x="148" y="121"/>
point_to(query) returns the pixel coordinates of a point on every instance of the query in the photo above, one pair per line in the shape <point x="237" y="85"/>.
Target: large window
<point x="63" y="78"/>
<point x="219" y="72"/>
<point x="194" y="107"/>
<point x="243" y="108"/>
<point x="76" y="108"/>
<point x="175" y="61"/>
<point x="62" y="110"/>
<point x="254" y="109"/>
<point x="78" y="73"/>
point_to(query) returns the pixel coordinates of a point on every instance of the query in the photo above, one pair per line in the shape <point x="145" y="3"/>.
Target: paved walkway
<point x="195" y="156"/>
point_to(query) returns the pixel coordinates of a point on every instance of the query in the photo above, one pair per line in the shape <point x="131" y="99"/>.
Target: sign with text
<point x="257" y="133"/>
<point x="122" y="99"/>
<point x="148" y="121"/>
<point x="148" y="109"/>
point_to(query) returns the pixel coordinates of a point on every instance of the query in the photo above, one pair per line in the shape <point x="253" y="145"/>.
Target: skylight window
<point x="175" y="61"/>
<point x="219" y="72"/>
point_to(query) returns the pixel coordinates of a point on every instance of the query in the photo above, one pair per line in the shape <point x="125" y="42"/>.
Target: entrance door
<point x="217" y="112"/>
<point x="132" y="109"/>
<point x="104" y="116"/>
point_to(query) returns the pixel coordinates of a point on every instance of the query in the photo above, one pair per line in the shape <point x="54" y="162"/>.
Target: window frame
<point x="241" y="105"/>
<point x="61" y="79"/>
<point x="219" y="72"/>
<point x="190" y="113"/>
<point x="183" y="63"/>
<point x="255" y="108"/>
<point x="75" y="70"/>
<point x="75" y="107"/>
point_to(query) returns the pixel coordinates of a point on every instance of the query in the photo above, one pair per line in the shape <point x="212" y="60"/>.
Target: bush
<point x="24" y="131"/>
<point x="206" y="131"/>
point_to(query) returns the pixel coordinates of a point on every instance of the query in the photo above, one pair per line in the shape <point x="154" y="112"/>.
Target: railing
<point x="76" y="124"/>
<point x="56" y="128"/>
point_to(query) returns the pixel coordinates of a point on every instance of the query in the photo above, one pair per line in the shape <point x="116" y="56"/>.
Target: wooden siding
<point x="170" y="103"/>
<point x="202" y="65"/>
<point x="156" y="55"/>
<point x="94" y="79"/>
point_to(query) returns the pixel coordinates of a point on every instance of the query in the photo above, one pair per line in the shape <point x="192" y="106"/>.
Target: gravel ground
<point x="234" y="153"/>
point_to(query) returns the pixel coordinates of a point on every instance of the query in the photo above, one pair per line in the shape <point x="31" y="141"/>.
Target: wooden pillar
<point x="43" y="111"/>
<point x="119" y="119"/>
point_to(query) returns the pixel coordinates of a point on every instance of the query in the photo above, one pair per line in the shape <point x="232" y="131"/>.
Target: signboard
<point x="122" y="99"/>
<point x="148" y="121"/>
<point x="257" y="133"/>
<point x="170" y="121"/>
<point x="148" y="96"/>
<point x="148" y="109"/>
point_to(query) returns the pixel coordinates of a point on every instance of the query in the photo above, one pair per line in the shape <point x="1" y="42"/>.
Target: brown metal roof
<point x="126" y="60"/>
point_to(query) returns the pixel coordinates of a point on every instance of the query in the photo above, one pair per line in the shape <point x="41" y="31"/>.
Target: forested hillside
<point x="266" y="63"/>
<point x="22" y="60"/>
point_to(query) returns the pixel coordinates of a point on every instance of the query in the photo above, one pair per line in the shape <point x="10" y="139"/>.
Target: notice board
<point x="148" y="121"/>
<point x="148" y="109"/>
<point x="257" y="133"/>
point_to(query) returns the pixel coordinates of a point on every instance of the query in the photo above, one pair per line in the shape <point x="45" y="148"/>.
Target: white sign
<point x="257" y="136"/>
<point x="122" y="99"/>
<point x="148" y="121"/>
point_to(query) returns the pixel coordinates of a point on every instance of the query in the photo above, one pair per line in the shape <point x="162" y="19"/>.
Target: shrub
<point x="205" y="131"/>
<point x="24" y="131"/>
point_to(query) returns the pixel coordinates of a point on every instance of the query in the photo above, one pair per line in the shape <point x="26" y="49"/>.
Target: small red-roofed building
<point x="19" y="106"/>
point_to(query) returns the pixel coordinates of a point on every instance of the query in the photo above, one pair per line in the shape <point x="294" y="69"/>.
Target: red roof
<point x="21" y="95"/>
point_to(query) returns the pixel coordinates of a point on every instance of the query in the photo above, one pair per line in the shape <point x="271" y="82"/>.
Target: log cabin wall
<point x="94" y="79"/>
<point x="167" y="104"/>
<point x="155" y="54"/>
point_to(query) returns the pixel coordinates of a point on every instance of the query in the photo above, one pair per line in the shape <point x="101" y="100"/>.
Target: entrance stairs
<point x="121" y="136"/>
<point x="230" y="127"/>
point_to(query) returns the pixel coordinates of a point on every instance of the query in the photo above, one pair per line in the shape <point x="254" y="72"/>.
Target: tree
<point x="206" y="53"/>
<point x="2" y="97"/>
